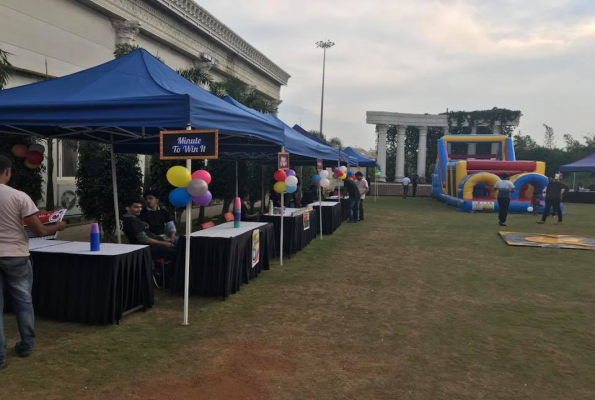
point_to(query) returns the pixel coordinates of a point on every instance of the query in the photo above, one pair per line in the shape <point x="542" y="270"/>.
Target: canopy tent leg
<point x="301" y="183"/>
<point x="375" y="186"/>
<point x="320" y="209"/>
<point x="187" y="250"/>
<point x="282" y="218"/>
<point x="262" y="190"/>
<point x="115" y="189"/>
<point x="339" y="179"/>
<point x="237" y="191"/>
<point x="574" y="181"/>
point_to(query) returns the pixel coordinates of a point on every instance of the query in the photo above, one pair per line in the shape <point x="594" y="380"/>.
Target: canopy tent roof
<point x="362" y="160"/>
<point x="587" y="164"/>
<point x="296" y="144"/>
<point x="344" y="157"/>
<point x="130" y="99"/>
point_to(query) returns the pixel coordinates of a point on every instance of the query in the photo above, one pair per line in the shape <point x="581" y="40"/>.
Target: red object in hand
<point x="280" y="175"/>
<point x="34" y="157"/>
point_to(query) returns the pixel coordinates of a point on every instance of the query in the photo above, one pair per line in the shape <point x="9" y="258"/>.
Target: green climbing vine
<point x="487" y="117"/>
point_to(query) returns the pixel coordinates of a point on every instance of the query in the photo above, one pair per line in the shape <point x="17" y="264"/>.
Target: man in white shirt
<point x="362" y="185"/>
<point x="15" y="266"/>
<point x="406" y="182"/>
<point x="505" y="188"/>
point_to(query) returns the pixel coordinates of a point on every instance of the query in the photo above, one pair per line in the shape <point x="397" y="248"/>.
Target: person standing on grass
<point x="553" y="197"/>
<point x="362" y="185"/>
<point x="16" y="271"/>
<point x="414" y="179"/>
<point x="354" y="195"/>
<point x="504" y="188"/>
<point x="406" y="182"/>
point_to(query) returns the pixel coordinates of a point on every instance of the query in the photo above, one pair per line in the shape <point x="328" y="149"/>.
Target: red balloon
<point x="34" y="157"/>
<point x="202" y="174"/>
<point x="280" y="175"/>
<point x="339" y="173"/>
<point x="20" y="150"/>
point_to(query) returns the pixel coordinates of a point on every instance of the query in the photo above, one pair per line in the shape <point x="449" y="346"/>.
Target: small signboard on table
<point x="196" y="144"/>
<point x="283" y="161"/>
<point x="306" y="217"/>
<point x="255" y="247"/>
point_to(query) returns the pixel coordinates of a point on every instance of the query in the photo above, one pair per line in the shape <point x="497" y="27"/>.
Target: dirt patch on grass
<point x="241" y="370"/>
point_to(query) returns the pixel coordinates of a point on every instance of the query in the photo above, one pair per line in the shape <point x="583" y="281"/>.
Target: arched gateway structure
<point x="383" y="119"/>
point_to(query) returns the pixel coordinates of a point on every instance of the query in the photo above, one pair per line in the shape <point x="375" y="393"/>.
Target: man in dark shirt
<point x="414" y="179"/>
<point x="246" y="215"/>
<point x="553" y="197"/>
<point x="157" y="217"/>
<point x="354" y="197"/>
<point x="137" y="233"/>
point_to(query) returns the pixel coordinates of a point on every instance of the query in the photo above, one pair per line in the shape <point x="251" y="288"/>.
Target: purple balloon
<point x="203" y="200"/>
<point x="335" y="169"/>
<point x="290" y="172"/>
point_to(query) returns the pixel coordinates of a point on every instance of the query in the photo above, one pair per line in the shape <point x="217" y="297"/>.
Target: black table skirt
<point x="332" y="218"/>
<point x="344" y="207"/>
<point x="219" y="266"/>
<point x="295" y="238"/>
<point x="579" y="197"/>
<point x="90" y="289"/>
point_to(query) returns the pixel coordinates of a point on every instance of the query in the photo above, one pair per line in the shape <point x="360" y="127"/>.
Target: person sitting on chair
<point x="137" y="232"/>
<point x="246" y="215"/>
<point x="157" y="217"/>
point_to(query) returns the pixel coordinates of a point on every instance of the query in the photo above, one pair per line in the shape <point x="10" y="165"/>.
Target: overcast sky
<point x="424" y="56"/>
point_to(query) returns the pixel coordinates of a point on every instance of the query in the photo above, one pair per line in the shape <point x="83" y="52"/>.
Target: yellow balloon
<point x="280" y="187"/>
<point x="31" y="166"/>
<point x="179" y="176"/>
<point x="343" y="177"/>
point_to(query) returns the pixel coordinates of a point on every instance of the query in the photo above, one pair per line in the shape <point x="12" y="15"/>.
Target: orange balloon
<point x="31" y="166"/>
<point x="20" y="150"/>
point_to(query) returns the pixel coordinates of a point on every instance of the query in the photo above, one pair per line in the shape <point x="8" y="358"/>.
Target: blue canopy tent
<point x="586" y="164"/>
<point x="362" y="160"/>
<point x="126" y="102"/>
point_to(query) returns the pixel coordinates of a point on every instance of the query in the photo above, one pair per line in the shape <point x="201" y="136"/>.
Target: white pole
<point x="282" y="218"/>
<point x="574" y="182"/>
<point x="320" y="209"/>
<point x="187" y="255"/>
<point x="262" y="208"/>
<point x="375" y="186"/>
<point x="237" y="194"/>
<point x="115" y="189"/>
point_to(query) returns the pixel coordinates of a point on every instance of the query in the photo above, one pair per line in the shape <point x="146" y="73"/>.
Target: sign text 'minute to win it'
<point x="196" y="144"/>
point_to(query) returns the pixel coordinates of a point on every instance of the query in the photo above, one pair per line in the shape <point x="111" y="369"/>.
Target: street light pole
<point x="324" y="45"/>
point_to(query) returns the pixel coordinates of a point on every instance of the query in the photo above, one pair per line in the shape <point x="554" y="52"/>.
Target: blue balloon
<point x="179" y="197"/>
<point x="349" y="174"/>
<point x="316" y="178"/>
<point x="290" y="189"/>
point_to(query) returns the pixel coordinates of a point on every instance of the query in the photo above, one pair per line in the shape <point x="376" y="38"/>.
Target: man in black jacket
<point x="553" y="197"/>
<point x="354" y="199"/>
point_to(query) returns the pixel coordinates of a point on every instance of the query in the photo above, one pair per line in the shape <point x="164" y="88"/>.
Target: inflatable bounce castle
<point x="466" y="182"/>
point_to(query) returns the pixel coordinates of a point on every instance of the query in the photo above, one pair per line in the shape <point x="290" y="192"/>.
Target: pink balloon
<point x="203" y="200"/>
<point x="202" y="174"/>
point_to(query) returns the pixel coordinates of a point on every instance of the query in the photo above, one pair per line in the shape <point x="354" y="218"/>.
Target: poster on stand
<point x="306" y="217"/>
<point x="255" y="247"/>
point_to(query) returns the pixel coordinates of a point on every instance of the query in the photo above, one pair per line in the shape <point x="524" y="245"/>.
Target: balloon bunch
<point x="193" y="187"/>
<point x="33" y="155"/>
<point x="286" y="181"/>
<point x="377" y="172"/>
<point x="321" y="179"/>
<point x="342" y="173"/>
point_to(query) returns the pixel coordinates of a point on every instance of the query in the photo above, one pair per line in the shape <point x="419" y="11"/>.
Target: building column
<point x="472" y="147"/>
<point x="126" y="31"/>
<point x="421" y="154"/>
<point x="496" y="130"/>
<point x="381" y="151"/>
<point x="400" y="165"/>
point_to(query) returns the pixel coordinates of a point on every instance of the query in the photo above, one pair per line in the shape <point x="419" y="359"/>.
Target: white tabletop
<point x="40" y="243"/>
<point x="326" y="204"/>
<point x="286" y="213"/>
<point x="227" y="230"/>
<point x="106" y="249"/>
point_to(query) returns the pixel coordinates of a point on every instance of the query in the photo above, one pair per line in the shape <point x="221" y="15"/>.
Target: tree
<point x="524" y="142"/>
<point x="571" y="143"/>
<point x="335" y="142"/>
<point x="243" y="93"/>
<point x="124" y="49"/>
<point x="6" y="69"/>
<point x="94" y="184"/>
<point x="549" y="140"/>
<point x="196" y="75"/>
<point x="318" y="134"/>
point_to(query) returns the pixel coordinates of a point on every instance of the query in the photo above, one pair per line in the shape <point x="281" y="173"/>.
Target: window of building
<point x="68" y="157"/>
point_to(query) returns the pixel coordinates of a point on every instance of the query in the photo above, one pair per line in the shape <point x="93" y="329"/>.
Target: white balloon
<point x="323" y="174"/>
<point x="37" y="147"/>
<point x="291" y="181"/>
<point x="530" y="209"/>
<point x="324" y="183"/>
<point x="343" y="168"/>
<point x="197" y="187"/>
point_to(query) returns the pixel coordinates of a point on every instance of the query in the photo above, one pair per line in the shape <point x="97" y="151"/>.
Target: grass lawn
<point x="417" y="302"/>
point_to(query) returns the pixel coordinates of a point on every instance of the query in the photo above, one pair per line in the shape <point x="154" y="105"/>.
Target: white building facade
<point x="60" y="37"/>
